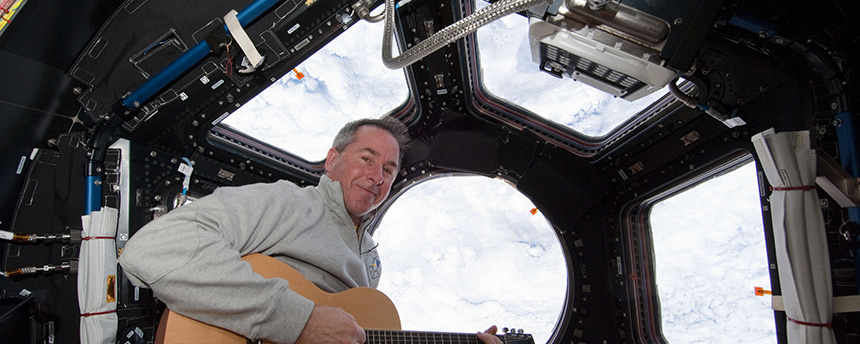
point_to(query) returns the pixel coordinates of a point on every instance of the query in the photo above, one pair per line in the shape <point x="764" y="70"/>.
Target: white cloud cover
<point x="463" y="253"/>
<point x="509" y="73"/>
<point x="710" y="255"/>
<point x="344" y="81"/>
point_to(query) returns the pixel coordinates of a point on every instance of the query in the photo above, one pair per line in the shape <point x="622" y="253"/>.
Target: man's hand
<point x="331" y="325"/>
<point x="489" y="336"/>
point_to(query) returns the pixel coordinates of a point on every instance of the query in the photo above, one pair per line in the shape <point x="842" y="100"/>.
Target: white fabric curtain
<point x="798" y="225"/>
<point x="97" y="277"/>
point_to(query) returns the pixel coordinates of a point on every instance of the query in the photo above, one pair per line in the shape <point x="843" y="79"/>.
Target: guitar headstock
<point x="515" y="336"/>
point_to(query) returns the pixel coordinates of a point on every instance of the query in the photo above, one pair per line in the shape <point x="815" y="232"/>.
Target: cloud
<point x="510" y="73"/>
<point x="343" y="81"/>
<point x="463" y="253"/>
<point x="710" y="255"/>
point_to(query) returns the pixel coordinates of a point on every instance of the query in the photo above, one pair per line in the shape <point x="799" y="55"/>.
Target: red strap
<point x="827" y="325"/>
<point x="793" y="188"/>
<point x="5" y="12"/>
<point x="99" y="313"/>
<point x="98" y="237"/>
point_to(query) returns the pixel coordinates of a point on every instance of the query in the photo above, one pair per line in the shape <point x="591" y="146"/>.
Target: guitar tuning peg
<point x="520" y="331"/>
<point x="505" y="329"/>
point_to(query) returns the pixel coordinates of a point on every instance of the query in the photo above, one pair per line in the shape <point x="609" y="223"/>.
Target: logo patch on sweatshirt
<point x="374" y="265"/>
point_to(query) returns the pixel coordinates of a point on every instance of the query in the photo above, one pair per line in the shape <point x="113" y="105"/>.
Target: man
<point x="190" y="257"/>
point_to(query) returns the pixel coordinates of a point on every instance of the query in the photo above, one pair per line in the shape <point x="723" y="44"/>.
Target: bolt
<point x="153" y="154"/>
<point x="77" y="91"/>
<point x="679" y="21"/>
<point x="741" y="101"/>
<point x="718" y="85"/>
<point x="762" y="88"/>
<point x="157" y="197"/>
<point x="837" y="122"/>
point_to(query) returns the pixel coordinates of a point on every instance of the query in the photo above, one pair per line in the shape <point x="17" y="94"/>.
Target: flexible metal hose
<point x="449" y="34"/>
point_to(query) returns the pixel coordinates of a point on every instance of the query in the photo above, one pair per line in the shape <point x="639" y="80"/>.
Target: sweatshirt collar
<point x="333" y="192"/>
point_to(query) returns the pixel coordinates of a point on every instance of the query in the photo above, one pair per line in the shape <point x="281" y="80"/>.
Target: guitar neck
<point x="416" y="337"/>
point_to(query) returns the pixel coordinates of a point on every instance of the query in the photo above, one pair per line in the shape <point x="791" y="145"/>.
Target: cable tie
<point x="793" y="188"/>
<point x="827" y="325"/>
<point x="98" y="313"/>
<point x="98" y="237"/>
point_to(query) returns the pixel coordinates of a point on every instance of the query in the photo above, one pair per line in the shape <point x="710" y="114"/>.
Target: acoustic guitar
<point x="371" y="308"/>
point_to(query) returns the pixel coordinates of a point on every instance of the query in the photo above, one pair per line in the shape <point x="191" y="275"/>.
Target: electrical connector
<point x="68" y="267"/>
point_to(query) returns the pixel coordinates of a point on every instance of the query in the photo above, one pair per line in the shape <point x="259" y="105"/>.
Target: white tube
<point x="97" y="277"/>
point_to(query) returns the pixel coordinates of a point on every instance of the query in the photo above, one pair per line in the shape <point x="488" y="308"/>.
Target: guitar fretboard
<point x="416" y="337"/>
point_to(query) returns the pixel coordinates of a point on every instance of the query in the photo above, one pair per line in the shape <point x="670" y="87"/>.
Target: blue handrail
<point x="189" y="59"/>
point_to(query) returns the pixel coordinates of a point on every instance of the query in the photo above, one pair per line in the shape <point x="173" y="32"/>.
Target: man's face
<point x="365" y="169"/>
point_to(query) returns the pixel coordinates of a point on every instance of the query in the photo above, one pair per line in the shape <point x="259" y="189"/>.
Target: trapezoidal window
<point x="710" y="254"/>
<point x="508" y="72"/>
<point x="343" y="81"/>
<point x="462" y="253"/>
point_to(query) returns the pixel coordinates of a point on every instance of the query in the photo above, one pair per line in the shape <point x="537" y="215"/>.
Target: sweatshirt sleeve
<point x="191" y="259"/>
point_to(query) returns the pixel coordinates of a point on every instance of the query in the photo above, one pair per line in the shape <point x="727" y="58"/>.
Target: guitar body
<point x="370" y="307"/>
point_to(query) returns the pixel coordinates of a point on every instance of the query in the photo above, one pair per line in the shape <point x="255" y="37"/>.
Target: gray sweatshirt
<point x="190" y="257"/>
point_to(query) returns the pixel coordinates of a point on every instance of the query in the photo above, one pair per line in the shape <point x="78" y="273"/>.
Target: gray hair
<point x="390" y="124"/>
